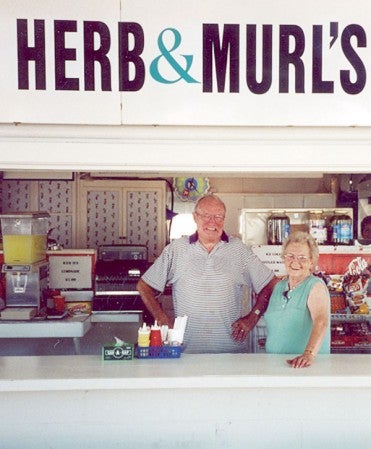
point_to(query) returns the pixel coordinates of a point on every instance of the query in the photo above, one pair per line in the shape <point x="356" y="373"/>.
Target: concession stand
<point x="114" y="110"/>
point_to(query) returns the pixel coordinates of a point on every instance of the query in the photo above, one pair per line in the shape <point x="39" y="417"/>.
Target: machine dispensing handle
<point x="17" y="282"/>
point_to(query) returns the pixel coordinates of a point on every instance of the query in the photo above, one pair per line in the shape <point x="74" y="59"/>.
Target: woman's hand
<point x="302" y="361"/>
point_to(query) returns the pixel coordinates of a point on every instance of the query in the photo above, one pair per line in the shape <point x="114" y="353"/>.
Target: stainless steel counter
<point x="72" y="327"/>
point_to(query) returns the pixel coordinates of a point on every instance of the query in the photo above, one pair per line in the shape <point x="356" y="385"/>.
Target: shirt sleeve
<point x="157" y="274"/>
<point x="257" y="273"/>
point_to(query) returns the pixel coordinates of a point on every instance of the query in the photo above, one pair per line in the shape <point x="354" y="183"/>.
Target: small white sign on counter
<point x="70" y="271"/>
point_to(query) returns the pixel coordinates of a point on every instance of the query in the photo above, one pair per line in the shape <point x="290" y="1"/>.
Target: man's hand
<point x="243" y="326"/>
<point x="163" y="320"/>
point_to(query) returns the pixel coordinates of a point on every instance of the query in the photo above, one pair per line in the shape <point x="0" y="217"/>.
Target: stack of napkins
<point x="176" y="335"/>
<point x="119" y="350"/>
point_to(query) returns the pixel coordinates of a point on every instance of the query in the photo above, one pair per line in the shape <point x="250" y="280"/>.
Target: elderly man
<point x="207" y="272"/>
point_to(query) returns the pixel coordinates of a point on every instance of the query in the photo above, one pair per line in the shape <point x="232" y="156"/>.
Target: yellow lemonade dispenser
<point x="25" y="265"/>
<point x="24" y="237"/>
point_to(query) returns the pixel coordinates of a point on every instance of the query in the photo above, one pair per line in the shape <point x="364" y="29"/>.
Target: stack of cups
<point x="143" y="336"/>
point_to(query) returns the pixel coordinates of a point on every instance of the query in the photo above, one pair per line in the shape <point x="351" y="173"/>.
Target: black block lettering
<point x="213" y="50"/>
<point x="294" y="58"/>
<point x="358" y="85"/>
<point x="99" y="55"/>
<point x="318" y="85"/>
<point x="132" y="57"/>
<point x="63" y="54"/>
<point x="26" y="54"/>
<point x="251" y="78"/>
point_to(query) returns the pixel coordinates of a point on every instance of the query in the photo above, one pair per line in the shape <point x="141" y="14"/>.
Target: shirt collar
<point x="194" y="237"/>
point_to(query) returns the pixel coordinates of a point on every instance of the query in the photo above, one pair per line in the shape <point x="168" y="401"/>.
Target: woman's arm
<point x="319" y="310"/>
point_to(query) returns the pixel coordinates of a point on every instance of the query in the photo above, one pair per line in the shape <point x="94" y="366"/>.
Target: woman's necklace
<point x="287" y="293"/>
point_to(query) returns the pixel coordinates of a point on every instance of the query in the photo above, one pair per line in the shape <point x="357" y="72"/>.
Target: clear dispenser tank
<point x="24" y="237"/>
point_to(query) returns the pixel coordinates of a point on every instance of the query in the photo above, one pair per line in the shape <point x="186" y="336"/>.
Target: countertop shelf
<point x="76" y="326"/>
<point x="198" y="400"/>
<point x="188" y="372"/>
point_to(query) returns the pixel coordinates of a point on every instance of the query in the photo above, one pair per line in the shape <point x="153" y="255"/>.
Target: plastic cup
<point x="59" y="303"/>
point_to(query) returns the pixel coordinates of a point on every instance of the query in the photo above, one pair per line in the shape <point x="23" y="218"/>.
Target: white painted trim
<point x="166" y="149"/>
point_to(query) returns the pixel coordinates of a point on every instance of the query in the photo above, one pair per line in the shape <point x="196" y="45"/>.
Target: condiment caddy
<point x="160" y="342"/>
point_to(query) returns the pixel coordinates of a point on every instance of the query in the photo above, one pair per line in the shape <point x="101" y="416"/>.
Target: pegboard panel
<point x="102" y="218"/>
<point x="16" y="196"/>
<point x="142" y="220"/>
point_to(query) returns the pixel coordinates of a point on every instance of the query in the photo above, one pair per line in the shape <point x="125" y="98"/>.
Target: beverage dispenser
<point x="25" y="265"/>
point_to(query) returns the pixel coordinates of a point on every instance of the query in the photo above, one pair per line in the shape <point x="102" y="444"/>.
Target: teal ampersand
<point x="166" y="53"/>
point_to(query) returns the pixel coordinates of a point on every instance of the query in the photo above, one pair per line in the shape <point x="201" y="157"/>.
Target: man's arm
<point x="262" y="298"/>
<point x="244" y="325"/>
<point x="148" y="295"/>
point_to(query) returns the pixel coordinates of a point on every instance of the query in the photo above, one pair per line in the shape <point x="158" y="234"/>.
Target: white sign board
<point x="70" y="272"/>
<point x="271" y="257"/>
<point x="186" y="62"/>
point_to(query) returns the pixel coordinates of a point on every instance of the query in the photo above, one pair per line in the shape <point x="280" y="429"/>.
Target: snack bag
<point x="355" y="283"/>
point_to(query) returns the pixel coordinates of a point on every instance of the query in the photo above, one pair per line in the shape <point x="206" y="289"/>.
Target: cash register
<point x="117" y="272"/>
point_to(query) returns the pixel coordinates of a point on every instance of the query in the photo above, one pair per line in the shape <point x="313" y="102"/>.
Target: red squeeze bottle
<point x="155" y="335"/>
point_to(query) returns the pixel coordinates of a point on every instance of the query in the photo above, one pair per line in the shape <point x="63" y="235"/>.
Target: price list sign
<point x="70" y="272"/>
<point x="271" y="257"/>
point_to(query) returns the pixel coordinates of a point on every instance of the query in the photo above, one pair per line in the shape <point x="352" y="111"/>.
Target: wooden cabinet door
<point x="122" y="212"/>
<point x="100" y="216"/>
<point x="144" y="218"/>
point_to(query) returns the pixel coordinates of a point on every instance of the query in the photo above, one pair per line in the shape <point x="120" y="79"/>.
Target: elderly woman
<point x="298" y="315"/>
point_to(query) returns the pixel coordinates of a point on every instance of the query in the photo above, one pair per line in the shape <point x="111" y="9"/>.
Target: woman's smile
<point x="298" y="262"/>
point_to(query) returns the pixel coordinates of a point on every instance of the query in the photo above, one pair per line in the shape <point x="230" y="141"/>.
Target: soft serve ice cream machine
<point x="25" y="265"/>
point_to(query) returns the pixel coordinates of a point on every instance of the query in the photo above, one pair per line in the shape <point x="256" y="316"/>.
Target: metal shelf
<point x="351" y="350"/>
<point x="350" y="317"/>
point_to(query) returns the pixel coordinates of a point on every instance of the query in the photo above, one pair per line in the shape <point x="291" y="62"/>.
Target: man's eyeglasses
<point x="219" y="218"/>
<point x="289" y="257"/>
